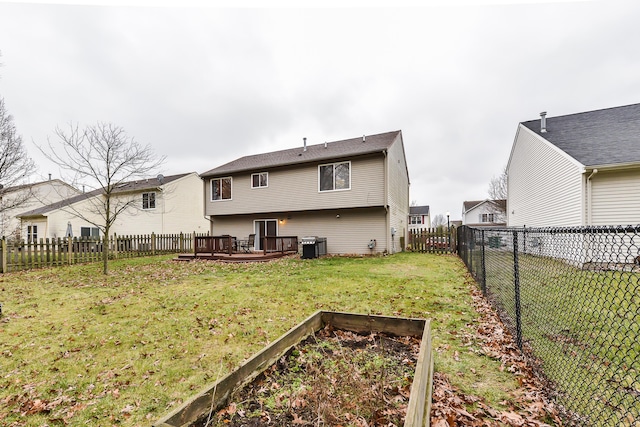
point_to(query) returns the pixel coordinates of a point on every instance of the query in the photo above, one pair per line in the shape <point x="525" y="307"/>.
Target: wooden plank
<point x="419" y="408"/>
<point x="368" y="323"/>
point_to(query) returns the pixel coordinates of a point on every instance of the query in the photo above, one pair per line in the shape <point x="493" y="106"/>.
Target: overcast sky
<point x="204" y="85"/>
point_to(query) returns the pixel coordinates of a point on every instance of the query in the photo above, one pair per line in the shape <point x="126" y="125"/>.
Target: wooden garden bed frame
<point x="216" y="395"/>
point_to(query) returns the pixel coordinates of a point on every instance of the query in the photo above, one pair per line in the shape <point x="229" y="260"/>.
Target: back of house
<point x="353" y="192"/>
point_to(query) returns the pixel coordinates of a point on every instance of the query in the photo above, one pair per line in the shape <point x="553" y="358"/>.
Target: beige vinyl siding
<point x="296" y="189"/>
<point x="350" y="233"/>
<point x="179" y="208"/>
<point x="615" y="198"/>
<point x="544" y="185"/>
<point x="398" y="194"/>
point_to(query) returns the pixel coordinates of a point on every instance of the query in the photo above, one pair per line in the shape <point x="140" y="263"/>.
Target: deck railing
<point x="226" y="244"/>
<point x="281" y="244"/>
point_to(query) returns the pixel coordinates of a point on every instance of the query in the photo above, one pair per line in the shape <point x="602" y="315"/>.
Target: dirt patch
<point x="332" y="378"/>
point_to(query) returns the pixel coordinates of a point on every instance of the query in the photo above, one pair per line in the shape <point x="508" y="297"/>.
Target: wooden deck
<point x="235" y="257"/>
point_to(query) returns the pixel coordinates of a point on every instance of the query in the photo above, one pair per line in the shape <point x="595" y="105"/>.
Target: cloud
<point x="205" y="85"/>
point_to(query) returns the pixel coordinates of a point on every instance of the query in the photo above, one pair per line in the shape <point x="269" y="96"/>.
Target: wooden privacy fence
<point x="65" y="251"/>
<point x="433" y="240"/>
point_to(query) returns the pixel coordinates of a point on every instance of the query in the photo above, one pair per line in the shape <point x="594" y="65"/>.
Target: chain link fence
<point x="571" y="298"/>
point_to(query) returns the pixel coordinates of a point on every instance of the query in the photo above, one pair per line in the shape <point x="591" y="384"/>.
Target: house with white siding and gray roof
<point x="354" y="192"/>
<point x="162" y="205"/>
<point x="419" y="217"/>
<point x="576" y="170"/>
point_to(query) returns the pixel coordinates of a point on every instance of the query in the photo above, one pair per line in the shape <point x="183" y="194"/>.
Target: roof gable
<point x="595" y="138"/>
<point x="314" y="153"/>
<point x="467" y="205"/>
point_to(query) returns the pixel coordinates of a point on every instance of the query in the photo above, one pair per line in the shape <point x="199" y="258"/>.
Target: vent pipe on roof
<point x="364" y="138"/>
<point x="49" y="177"/>
<point x="304" y="140"/>
<point x="325" y="144"/>
<point x="543" y="122"/>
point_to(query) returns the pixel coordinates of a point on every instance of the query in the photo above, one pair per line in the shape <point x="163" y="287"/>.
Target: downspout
<point x="387" y="232"/>
<point x="589" y="196"/>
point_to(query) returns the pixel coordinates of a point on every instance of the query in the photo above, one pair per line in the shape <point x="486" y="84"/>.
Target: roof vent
<point x="160" y="178"/>
<point x="364" y="138"/>
<point x="304" y="140"/>
<point x="543" y="122"/>
<point x="325" y="144"/>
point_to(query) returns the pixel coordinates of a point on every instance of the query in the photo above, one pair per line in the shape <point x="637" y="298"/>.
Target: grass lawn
<point x="79" y="348"/>
<point x="583" y="327"/>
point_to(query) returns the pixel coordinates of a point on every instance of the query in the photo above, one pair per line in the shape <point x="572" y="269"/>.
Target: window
<point x="32" y="233"/>
<point x="221" y="188"/>
<point x="148" y="200"/>
<point x="416" y="219"/>
<point x="336" y="176"/>
<point x="259" y="180"/>
<point x="92" y="232"/>
<point x="487" y="217"/>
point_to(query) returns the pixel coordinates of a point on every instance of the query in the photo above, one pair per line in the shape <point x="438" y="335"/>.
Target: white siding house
<point x="162" y="205"/>
<point x="484" y="213"/>
<point x="354" y="192"/>
<point x="419" y="217"/>
<point x="18" y="199"/>
<point x="576" y="170"/>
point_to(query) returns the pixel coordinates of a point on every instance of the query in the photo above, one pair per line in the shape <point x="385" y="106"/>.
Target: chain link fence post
<point x="516" y="284"/>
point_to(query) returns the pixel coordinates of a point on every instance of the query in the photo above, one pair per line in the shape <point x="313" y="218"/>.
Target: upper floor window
<point x="149" y="200"/>
<point x="335" y="176"/>
<point x="487" y="217"/>
<point x="221" y="188"/>
<point x="259" y="180"/>
<point x="416" y="219"/>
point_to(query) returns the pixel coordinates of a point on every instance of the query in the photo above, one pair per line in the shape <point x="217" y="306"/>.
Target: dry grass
<point x="81" y="349"/>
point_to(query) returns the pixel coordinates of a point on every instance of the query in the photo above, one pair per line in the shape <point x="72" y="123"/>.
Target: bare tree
<point x="439" y="221"/>
<point x="498" y="195"/>
<point x="103" y="157"/>
<point x="498" y="186"/>
<point x="15" y="164"/>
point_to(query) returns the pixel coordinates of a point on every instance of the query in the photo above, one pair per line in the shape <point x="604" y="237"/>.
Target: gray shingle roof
<point x="7" y="190"/>
<point x="596" y="138"/>
<point x="314" y="153"/>
<point x="419" y="210"/>
<point x="131" y="186"/>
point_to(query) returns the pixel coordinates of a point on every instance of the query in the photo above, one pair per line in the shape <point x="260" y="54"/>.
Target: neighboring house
<point x="354" y="192"/>
<point x="161" y="205"/>
<point x="484" y="213"/>
<point x="17" y="199"/>
<point x="419" y="217"/>
<point x="575" y="170"/>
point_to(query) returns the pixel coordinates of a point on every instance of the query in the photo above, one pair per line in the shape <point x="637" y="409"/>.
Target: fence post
<point x="516" y="282"/>
<point x="484" y="266"/>
<point x="3" y="254"/>
<point x="153" y="243"/>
